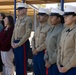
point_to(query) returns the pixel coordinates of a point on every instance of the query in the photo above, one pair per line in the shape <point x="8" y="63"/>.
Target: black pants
<point x="1" y="64"/>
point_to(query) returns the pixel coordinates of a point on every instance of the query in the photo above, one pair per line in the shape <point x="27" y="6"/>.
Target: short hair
<point x="3" y="15"/>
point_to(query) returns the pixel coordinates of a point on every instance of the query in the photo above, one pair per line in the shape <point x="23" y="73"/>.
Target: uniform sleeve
<point x="13" y="36"/>
<point x="42" y="47"/>
<point x="72" y="61"/>
<point x="28" y="26"/>
<point x="53" y="59"/>
<point x="59" y="54"/>
<point x="58" y="49"/>
<point x="33" y="42"/>
<point x="46" y="57"/>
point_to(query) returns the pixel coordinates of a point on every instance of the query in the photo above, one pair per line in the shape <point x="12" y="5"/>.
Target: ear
<point x="46" y="17"/>
<point x="25" y="10"/>
<point x="74" y="18"/>
<point x="59" y="19"/>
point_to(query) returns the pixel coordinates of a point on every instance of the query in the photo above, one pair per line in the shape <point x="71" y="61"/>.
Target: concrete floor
<point x="29" y="73"/>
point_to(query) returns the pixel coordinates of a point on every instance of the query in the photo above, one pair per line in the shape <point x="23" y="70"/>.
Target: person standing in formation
<point x="66" y="59"/>
<point x="38" y="42"/>
<point x="52" y="41"/>
<point x="20" y="42"/>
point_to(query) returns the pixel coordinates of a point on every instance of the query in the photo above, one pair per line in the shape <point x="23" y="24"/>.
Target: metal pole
<point x="35" y="20"/>
<point x="14" y="11"/>
<point x="62" y="5"/>
<point x="23" y="1"/>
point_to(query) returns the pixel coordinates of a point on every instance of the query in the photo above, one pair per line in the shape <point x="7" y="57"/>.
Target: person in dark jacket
<point x="5" y="45"/>
<point x="2" y="16"/>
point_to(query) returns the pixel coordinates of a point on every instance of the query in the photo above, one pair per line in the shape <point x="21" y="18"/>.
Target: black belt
<point x="18" y="39"/>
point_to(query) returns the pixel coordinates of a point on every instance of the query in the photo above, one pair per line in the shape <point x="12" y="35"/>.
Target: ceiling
<point x="11" y="2"/>
<point x="46" y="1"/>
<point x="7" y="6"/>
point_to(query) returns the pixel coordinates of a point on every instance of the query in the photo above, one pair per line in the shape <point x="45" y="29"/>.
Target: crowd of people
<point x="53" y="45"/>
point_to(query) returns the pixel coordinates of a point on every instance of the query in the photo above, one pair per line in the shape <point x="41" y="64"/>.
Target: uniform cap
<point x="69" y="10"/>
<point x="43" y="11"/>
<point x="55" y="11"/>
<point x="21" y="6"/>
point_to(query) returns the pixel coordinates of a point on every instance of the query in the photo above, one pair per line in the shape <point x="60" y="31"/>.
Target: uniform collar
<point x="20" y="18"/>
<point x="43" y="24"/>
<point x="58" y="25"/>
<point x="72" y="27"/>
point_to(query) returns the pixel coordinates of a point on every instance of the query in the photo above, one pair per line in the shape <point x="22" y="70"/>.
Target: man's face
<point x="54" y="20"/>
<point x="22" y="11"/>
<point x="69" y="19"/>
<point x="42" y="18"/>
<point x="75" y="17"/>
